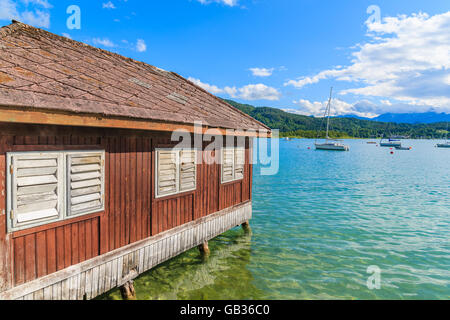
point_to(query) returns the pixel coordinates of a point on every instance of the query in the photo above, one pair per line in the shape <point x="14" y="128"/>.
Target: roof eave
<point x="10" y="114"/>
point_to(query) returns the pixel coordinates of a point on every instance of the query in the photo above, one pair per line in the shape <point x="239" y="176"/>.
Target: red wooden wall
<point x="132" y="212"/>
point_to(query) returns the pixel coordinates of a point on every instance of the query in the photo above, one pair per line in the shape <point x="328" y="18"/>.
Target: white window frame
<point x="177" y="151"/>
<point x="63" y="196"/>
<point x="11" y="192"/>
<point x="68" y="156"/>
<point x="234" y="165"/>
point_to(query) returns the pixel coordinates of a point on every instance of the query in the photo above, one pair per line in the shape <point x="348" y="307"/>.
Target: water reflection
<point x="320" y="223"/>
<point x="224" y="275"/>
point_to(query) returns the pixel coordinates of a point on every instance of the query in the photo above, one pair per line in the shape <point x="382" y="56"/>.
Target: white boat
<point x="333" y="146"/>
<point x="392" y="143"/>
<point x="446" y="144"/>
<point x="330" y="144"/>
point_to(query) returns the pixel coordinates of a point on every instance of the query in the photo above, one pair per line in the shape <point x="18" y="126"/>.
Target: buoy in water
<point x="392" y="152"/>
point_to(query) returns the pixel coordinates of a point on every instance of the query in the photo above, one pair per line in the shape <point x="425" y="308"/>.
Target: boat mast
<point x="329" y="113"/>
<point x="446" y="133"/>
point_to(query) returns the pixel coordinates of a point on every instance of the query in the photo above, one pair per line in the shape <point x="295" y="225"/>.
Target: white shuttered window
<point x="85" y="182"/>
<point x="166" y="177"/>
<point x="227" y="165"/>
<point x="239" y="162"/>
<point x="176" y="171"/>
<point x="45" y="187"/>
<point x="233" y="162"/>
<point x="188" y="170"/>
<point x="35" y="188"/>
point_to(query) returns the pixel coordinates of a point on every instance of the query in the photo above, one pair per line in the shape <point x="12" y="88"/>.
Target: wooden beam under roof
<point x="14" y="115"/>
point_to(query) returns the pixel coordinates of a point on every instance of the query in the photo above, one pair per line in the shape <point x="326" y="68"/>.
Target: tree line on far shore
<point x="294" y="125"/>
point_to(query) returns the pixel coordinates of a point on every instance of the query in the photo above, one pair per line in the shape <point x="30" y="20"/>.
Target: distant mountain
<point x="355" y="117"/>
<point x="297" y="125"/>
<point x="427" y="117"/>
<point x="411" y="118"/>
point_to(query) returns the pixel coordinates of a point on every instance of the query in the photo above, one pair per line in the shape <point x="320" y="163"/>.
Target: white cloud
<point x="362" y="108"/>
<point x="249" y="92"/>
<point x="33" y="12"/>
<point x="259" y="92"/>
<point x="141" y="46"/>
<point x="230" y="3"/>
<point x="43" y="3"/>
<point x="210" y="88"/>
<point x="108" y="5"/>
<point x="8" y="10"/>
<point x="231" y="91"/>
<point x="37" y="18"/>
<point x="262" y="72"/>
<point x="339" y="107"/>
<point x="66" y="35"/>
<point x="105" y="42"/>
<point x="406" y="59"/>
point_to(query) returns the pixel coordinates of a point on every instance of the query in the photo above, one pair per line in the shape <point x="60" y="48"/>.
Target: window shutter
<point x="85" y="182"/>
<point x="227" y="164"/>
<point x="239" y="163"/>
<point x="37" y="188"/>
<point x="188" y="170"/>
<point x="166" y="172"/>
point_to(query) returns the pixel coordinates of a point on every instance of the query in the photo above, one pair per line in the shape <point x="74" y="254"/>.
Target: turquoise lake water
<point x="320" y="223"/>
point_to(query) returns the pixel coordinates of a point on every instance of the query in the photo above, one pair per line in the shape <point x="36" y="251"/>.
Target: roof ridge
<point x="17" y="25"/>
<point x="10" y="28"/>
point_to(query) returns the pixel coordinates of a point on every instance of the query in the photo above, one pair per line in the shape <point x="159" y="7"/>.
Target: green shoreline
<point x="295" y="125"/>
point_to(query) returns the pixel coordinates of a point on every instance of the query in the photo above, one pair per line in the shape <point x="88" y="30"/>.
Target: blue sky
<point x="280" y="53"/>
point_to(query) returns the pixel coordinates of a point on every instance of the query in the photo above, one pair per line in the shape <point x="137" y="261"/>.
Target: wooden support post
<point x="127" y="291"/>
<point x="204" y="249"/>
<point x="246" y="227"/>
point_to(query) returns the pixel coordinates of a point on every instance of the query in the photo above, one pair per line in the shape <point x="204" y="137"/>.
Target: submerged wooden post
<point x="204" y="249"/>
<point x="246" y="227"/>
<point x="127" y="291"/>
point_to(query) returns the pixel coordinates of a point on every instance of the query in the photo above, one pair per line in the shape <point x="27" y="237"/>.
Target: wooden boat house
<point x="92" y="191"/>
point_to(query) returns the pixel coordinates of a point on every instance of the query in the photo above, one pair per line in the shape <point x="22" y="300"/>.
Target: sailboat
<point x="446" y="144"/>
<point x="393" y="143"/>
<point x="330" y="144"/>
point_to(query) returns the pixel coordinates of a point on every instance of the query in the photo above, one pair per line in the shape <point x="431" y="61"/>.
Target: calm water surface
<point x="320" y="223"/>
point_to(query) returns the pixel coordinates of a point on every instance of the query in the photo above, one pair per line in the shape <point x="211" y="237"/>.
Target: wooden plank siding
<point x="132" y="212"/>
<point x="6" y="271"/>
<point x="100" y="274"/>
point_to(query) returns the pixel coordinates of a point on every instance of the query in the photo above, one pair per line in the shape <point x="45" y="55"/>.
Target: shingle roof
<point x="41" y="70"/>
